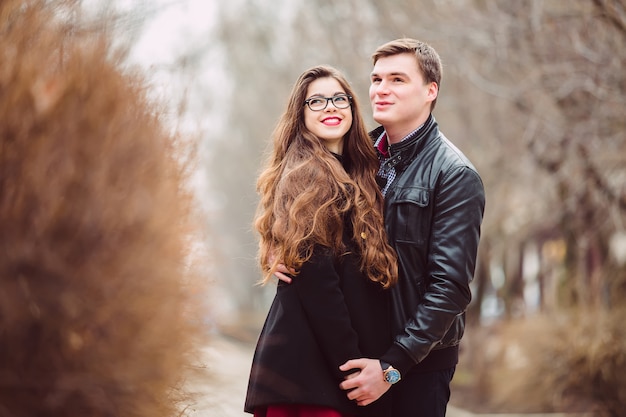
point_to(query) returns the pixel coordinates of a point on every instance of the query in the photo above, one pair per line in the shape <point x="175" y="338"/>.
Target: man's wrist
<point x="390" y="374"/>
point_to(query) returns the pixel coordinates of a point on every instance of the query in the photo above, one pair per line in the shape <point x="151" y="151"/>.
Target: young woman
<point x="320" y="215"/>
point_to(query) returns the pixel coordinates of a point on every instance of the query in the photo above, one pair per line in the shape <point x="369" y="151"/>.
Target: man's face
<point x="400" y="99"/>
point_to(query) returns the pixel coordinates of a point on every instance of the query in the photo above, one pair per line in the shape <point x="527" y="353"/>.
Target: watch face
<point x="392" y="376"/>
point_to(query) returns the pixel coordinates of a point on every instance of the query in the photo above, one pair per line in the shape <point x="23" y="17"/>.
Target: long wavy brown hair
<point x="308" y="198"/>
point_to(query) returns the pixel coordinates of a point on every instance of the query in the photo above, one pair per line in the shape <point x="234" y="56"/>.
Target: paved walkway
<point x="221" y="379"/>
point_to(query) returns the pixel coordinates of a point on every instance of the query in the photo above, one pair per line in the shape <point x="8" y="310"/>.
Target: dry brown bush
<point x="574" y="362"/>
<point x="96" y="316"/>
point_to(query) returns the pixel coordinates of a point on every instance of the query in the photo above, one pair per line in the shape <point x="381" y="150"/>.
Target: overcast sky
<point x="172" y="29"/>
<point x="175" y="25"/>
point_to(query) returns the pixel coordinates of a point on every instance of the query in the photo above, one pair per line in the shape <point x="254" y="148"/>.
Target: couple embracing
<point x="374" y="240"/>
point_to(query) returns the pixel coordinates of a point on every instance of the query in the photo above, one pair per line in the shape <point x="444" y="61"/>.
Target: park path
<point x="220" y="380"/>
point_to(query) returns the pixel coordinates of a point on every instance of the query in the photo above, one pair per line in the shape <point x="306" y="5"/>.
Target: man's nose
<point x="382" y="88"/>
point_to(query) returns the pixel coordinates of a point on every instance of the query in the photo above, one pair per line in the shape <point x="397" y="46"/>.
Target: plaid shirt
<point x="385" y="171"/>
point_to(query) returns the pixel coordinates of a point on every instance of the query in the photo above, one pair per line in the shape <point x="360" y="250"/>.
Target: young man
<point x="434" y="203"/>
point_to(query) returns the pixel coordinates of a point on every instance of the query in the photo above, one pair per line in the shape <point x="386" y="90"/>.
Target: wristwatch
<point x="390" y="374"/>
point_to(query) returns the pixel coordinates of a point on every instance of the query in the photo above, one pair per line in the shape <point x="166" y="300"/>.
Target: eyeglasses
<point x="341" y="101"/>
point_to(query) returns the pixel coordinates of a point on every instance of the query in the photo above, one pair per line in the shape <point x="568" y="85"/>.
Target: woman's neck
<point x="335" y="146"/>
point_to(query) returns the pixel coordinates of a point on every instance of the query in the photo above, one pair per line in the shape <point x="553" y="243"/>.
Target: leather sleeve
<point x="455" y="232"/>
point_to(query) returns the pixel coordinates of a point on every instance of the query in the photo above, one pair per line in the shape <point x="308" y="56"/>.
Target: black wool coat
<point x="330" y="313"/>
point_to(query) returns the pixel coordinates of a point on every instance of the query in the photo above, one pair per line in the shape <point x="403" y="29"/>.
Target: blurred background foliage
<point x="533" y="92"/>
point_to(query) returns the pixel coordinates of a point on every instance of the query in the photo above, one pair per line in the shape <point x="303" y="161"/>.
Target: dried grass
<point x="572" y="362"/>
<point x="96" y="312"/>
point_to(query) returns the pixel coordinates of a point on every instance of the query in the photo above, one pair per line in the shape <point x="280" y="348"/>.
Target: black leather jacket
<point x="433" y="212"/>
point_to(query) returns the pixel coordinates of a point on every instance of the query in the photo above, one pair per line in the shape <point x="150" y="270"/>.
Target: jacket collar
<point x="401" y="153"/>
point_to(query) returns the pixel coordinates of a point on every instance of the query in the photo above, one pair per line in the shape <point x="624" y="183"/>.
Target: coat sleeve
<point x="318" y="287"/>
<point x="455" y="234"/>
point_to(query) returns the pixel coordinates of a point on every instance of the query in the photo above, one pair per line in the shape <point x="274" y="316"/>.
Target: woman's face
<point x="329" y="123"/>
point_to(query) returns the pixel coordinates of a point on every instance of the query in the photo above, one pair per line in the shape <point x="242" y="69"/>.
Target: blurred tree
<point x="568" y="61"/>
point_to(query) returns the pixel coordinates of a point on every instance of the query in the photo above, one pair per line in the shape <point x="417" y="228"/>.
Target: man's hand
<point x="367" y="385"/>
<point x="281" y="271"/>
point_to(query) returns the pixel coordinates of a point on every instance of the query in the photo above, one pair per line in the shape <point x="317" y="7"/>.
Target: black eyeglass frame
<point x="328" y="99"/>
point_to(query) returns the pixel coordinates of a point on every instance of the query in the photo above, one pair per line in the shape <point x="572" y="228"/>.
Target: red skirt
<point x="297" y="411"/>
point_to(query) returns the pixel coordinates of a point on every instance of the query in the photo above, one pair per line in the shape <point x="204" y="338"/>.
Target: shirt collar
<point x="382" y="143"/>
